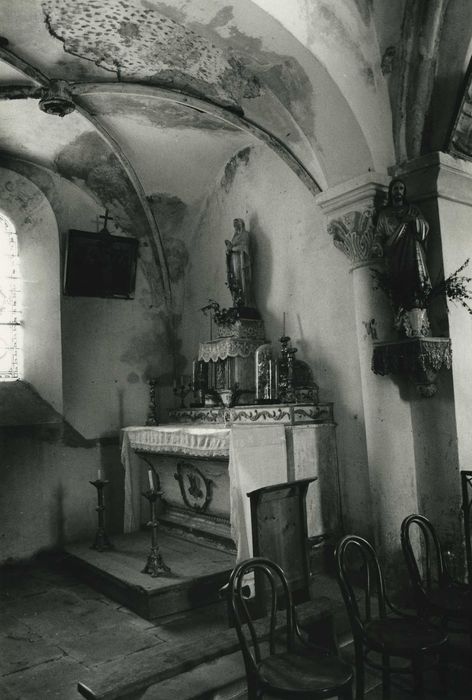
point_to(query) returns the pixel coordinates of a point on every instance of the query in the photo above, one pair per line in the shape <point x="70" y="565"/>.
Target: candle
<point x="194" y="374"/>
<point x="99" y="474"/>
<point x="151" y="481"/>
<point x="283" y="331"/>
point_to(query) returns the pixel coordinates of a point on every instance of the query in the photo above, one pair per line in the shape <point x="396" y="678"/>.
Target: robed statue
<point x="239" y="266"/>
<point x="401" y="234"/>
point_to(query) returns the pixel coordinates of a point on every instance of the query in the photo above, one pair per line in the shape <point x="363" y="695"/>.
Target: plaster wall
<point x="45" y="495"/>
<point x="108" y="345"/>
<point x="38" y="249"/>
<point x="99" y="360"/>
<point x="457" y="247"/>
<point x="343" y="37"/>
<point x="298" y="271"/>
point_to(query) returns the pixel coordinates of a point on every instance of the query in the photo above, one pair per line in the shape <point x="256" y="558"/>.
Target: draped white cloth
<point x="258" y="457"/>
<point x="314" y="452"/>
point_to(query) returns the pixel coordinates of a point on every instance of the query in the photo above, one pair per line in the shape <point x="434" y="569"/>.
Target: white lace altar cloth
<point x="196" y="440"/>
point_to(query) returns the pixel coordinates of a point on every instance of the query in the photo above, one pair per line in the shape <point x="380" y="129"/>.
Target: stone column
<point x="350" y="210"/>
<point x="442" y="187"/>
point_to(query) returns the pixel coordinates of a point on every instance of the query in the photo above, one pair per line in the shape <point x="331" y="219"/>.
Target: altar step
<point x="197" y="573"/>
<point x="206" y="664"/>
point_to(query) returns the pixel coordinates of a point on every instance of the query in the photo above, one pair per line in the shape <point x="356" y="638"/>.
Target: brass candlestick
<point x="282" y="370"/>
<point x="152" y="418"/>
<point x="101" y="543"/>
<point x="285" y="388"/>
<point x="182" y="390"/>
<point x="155" y="565"/>
<point x="290" y="397"/>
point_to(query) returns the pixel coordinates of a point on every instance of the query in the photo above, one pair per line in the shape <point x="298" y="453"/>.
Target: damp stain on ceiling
<point x="152" y="111"/>
<point x="138" y="43"/>
<point x="318" y="94"/>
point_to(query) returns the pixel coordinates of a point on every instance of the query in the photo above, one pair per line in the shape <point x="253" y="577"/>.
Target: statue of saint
<point x="239" y="266"/>
<point x="400" y="235"/>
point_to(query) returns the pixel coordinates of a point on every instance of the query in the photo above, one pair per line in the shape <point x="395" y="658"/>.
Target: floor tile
<point x="56" y="680"/>
<point x="105" y="645"/>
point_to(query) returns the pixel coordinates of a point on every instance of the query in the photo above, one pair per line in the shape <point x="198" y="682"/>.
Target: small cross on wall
<point x="106" y="218"/>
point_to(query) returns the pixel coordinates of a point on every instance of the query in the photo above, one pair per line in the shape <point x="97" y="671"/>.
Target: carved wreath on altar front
<point x="195" y="488"/>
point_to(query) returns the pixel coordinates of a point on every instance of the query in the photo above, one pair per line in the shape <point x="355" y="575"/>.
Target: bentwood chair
<point x="436" y="593"/>
<point x="466" y="485"/>
<point x="278" y="660"/>
<point x="378" y="628"/>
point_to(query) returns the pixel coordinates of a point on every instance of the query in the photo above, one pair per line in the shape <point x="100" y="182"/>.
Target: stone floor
<point x="55" y="631"/>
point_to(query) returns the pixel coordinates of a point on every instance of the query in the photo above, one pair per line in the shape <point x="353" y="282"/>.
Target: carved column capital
<point x="351" y="209"/>
<point x="353" y="234"/>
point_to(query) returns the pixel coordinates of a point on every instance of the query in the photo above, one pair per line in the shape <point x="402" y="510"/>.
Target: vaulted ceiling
<point x="172" y="90"/>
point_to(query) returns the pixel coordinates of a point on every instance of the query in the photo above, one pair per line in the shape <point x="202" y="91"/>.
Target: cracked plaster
<point x="89" y="159"/>
<point x="139" y="43"/>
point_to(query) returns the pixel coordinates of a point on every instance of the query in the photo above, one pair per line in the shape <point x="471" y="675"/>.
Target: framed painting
<point x="100" y="265"/>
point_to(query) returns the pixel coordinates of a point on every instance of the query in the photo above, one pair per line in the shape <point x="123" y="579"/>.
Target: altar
<point x="255" y="421"/>
<point x="206" y="469"/>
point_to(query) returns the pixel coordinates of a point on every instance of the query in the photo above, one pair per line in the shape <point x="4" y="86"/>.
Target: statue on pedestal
<point x="239" y="266"/>
<point x="400" y="236"/>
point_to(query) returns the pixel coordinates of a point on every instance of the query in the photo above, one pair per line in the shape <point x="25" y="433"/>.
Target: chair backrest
<point x="361" y="581"/>
<point x="423" y="556"/>
<point x="257" y="637"/>
<point x="466" y="483"/>
<point x="286" y="545"/>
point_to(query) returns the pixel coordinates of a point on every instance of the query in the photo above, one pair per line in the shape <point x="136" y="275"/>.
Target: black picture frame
<point x="100" y="265"/>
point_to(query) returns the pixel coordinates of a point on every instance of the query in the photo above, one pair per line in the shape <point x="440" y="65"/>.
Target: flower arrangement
<point x="455" y="287"/>
<point x="221" y="316"/>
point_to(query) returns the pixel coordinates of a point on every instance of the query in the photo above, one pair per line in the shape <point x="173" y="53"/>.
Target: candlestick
<point x="183" y="390"/>
<point x="155" y="565"/>
<point x="285" y="371"/>
<point x="101" y="542"/>
<point x="152" y="417"/>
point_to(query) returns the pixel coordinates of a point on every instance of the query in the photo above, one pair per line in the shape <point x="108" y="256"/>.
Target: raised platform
<point x="197" y="573"/>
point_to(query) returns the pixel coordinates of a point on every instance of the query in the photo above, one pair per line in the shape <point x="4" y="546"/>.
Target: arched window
<point x="10" y="307"/>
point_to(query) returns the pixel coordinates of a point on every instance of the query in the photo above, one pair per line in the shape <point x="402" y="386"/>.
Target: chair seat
<point x="299" y="674"/>
<point x="402" y="636"/>
<point x="452" y="600"/>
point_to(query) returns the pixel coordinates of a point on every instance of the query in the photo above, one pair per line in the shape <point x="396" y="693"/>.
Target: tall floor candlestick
<point x="155" y="565"/>
<point x="101" y="542"/>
